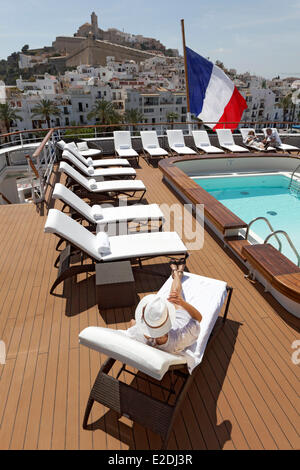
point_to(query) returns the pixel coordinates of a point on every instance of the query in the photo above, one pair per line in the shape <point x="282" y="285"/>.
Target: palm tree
<point x="8" y="114"/>
<point x="133" y="116"/>
<point x="45" y="109"/>
<point x="286" y="104"/>
<point x="171" y="117"/>
<point x="104" y="113"/>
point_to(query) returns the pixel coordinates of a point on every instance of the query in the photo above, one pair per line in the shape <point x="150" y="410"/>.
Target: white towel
<point x="179" y="145"/>
<point x="97" y="212"/>
<point x="103" y="245"/>
<point x="124" y="147"/>
<point x="92" y="184"/>
<point x="61" y="144"/>
<point x="152" y="146"/>
<point x="90" y="161"/>
<point x="91" y="170"/>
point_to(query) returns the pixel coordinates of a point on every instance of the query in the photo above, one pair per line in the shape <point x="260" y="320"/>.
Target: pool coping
<point x="222" y="219"/>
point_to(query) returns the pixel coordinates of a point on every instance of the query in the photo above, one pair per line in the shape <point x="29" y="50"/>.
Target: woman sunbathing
<point x="171" y="325"/>
<point x="254" y="141"/>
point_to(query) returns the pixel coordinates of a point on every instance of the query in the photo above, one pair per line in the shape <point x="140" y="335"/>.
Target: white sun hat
<point x="155" y="316"/>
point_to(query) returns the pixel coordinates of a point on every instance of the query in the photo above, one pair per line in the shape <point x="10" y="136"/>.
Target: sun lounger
<point x="226" y="141"/>
<point x="123" y="146"/>
<point x="131" y="247"/>
<point x="151" y="145"/>
<point x="110" y="189"/>
<point x="102" y="216"/>
<point x="90" y="171"/>
<point x="284" y="147"/>
<point x="177" y="144"/>
<point x="103" y="162"/>
<point x="157" y="414"/>
<point x="245" y="134"/>
<point x="86" y="151"/>
<point x="202" y="142"/>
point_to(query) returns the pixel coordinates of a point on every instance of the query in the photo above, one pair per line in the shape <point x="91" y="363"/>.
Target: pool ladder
<point x="294" y="186"/>
<point x="275" y="234"/>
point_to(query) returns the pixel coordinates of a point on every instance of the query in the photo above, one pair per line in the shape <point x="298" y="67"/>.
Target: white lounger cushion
<point x="151" y="144"/>
<point x="104" y="186"/>
<point x="91" y="171"/>
<point x="182" y="150"/>
<point x="207" y="295"/>
<point x="126" y="153"/>
<point x="122" y="246"/>
<point x="135" y="212"/>
<point x="115" y="344"/>
<point x="202" y="142"/>
<point x="235" y="148"/>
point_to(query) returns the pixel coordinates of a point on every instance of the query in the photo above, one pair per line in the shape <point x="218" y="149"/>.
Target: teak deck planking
<point x="244" y="396"/>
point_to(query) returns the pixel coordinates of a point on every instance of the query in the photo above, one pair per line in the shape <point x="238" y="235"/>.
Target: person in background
<point x="272" y="139"/>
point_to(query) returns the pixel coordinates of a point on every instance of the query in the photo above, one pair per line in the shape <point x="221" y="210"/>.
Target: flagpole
<point x="186" y="78"/>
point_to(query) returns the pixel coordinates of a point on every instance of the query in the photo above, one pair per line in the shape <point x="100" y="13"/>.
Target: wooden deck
<point x="245" y="395"/>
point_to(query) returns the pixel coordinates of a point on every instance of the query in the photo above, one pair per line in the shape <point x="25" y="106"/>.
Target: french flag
<point x="213" y="96"/>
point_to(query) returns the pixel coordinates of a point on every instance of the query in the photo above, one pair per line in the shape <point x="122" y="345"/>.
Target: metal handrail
<point x="293" y="174"/>
<point x="269" y="225"/>
<point x="288" y="239"/>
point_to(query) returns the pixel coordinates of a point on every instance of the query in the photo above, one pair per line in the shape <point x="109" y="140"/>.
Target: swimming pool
<point x="260" y="196"/>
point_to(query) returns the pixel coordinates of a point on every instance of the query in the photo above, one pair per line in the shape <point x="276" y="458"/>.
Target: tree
<point x="7" y="115"/>
<point x="25" y="48"/>
<point x="133" y="116"/>
<point x="45" y="109"/>
<point x="171" y="117"/>
<point x="104" y="112"/>
<point x="286" y="104"/>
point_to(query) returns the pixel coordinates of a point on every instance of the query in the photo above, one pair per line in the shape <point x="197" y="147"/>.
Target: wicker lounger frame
<point x="65" y="270"/>
<point x="153" y="413"/>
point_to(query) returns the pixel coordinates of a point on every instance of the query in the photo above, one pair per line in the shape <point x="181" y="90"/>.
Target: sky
<point x="258" y="36"/>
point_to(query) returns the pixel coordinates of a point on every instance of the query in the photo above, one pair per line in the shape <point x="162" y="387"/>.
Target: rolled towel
<point x="91" y="170"/>
<point x="124" y="147"/>
<point x="92" y="184"/>
<point x="97" y="212"/>
<point x="152" y="146"/>
<point x="179" y="145"/>
<point x="90" y="161"/>
<point x="61" y="144"/>
<point x="103" y="245"/>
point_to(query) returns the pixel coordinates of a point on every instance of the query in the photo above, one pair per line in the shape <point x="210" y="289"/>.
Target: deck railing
<point x="44" y="155"/>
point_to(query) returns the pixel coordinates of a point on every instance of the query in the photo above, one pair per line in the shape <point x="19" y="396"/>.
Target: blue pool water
<point x="260" y="196"/>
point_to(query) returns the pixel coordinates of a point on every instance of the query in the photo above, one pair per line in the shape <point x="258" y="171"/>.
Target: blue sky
<point x="261" y="37"/>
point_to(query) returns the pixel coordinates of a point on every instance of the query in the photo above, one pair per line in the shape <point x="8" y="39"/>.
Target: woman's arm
<point x="176" y="298"/>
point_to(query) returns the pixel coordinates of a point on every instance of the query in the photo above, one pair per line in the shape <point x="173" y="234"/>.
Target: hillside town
<point x="143" y="81"/>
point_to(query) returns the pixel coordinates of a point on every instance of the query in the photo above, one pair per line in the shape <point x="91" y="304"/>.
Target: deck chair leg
<point x="87" y="413"/>
<point x="60" y="242"/>
<point x="70" y="272"/>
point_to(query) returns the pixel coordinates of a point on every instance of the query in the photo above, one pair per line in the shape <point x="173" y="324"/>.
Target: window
<point x="80" y="107"/>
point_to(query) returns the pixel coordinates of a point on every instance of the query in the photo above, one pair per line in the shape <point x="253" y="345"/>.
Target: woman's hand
<point x="175" y="298"/>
